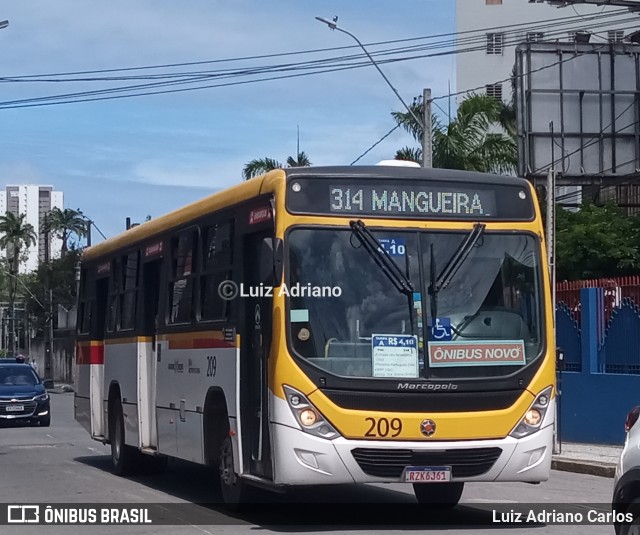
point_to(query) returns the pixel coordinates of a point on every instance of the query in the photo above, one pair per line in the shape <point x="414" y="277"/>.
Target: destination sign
<point x="410" y="199"/>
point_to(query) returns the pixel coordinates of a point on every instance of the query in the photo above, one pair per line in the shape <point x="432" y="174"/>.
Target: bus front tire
<point x="234" y="490"/>
<point x="438" y="495"/>
<point x="122" y="456"/>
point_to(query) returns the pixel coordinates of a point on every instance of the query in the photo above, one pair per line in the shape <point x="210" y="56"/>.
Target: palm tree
<point x="15" y="235"/>
<point x="469" y="141"/>
<point x="260" y="166"/>
<point x="301" y="161"/>
<point x="64" y="223"/>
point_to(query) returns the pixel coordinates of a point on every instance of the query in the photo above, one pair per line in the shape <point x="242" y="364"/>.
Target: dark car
<point x="23" y="397"/>
<point x="626" y="491"/>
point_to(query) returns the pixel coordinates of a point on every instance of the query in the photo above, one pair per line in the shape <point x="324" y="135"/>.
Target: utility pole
<point x="48" y="332"/>
<point x="88" y="233"/>
<point x="48" y="356"/>
<point x="426" y="132"/>
<point x="13" y="289"/>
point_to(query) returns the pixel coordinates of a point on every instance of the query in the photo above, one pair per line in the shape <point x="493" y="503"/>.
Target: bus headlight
<point x="309" y="418"/>
<point x="533" y="418"/>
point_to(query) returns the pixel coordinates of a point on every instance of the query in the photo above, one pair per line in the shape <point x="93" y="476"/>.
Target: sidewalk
<point x="60" y="388"/>
<point x="597" y="460"/>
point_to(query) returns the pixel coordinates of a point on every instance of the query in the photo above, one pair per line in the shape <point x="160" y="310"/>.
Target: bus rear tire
<point x="122" y="456"/>
<point x="235" y="491"/>
<point x="438" y="495"/>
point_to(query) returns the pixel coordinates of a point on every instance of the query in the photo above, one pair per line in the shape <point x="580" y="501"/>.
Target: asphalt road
<point x="61" y="464"/>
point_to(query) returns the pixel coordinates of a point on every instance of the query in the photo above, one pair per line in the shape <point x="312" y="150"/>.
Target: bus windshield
<point x="477" y="316"/>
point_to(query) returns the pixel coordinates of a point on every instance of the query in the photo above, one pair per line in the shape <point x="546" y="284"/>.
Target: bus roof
<point x="265" y="183"/>
<point x="404" y="173"/>
<point x="227" y="197"/>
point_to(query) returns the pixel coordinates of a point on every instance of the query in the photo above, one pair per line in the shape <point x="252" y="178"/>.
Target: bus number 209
<point x="211" y="366"/>
<point x="382" y="427"/>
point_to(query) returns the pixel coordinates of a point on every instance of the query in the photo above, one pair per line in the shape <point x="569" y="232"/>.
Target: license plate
<point x="427" y="474"/>
<point x="15" y="408"/>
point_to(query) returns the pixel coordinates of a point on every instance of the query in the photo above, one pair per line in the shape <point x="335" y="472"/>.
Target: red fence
<point x="615" y="290"/>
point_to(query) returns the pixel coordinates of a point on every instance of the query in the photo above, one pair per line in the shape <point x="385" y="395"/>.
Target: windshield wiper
<point x="381" y="257"/>
<point x="453" y="265"/>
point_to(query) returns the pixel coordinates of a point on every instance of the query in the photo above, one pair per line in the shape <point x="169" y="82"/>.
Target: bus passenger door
<point x="254" y="352"/>
<point x="97" y="389"/>
<point x="147" y="355"/>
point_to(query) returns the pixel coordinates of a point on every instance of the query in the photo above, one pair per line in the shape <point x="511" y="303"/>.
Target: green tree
<point x="596" y="241"/>
<point x="16" y="235"/>
<point x="65" y="223"/>
<point x="260" y="166"/>
<point x="471" y="141"/>
<point x="59" y="275"/>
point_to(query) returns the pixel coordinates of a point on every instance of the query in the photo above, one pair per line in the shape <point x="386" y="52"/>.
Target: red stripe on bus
<point x="91" y="354"/>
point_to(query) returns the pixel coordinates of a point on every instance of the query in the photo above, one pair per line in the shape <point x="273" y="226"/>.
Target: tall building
<point x="35" y="201"/>
<point x="488" y="32"/>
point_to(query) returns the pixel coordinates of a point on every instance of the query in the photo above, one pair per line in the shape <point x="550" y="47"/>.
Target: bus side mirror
<point x="271" y="256"/>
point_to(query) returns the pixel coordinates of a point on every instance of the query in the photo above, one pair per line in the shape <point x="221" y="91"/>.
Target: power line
<point x="78" y="97"/>
<point x="376" y="144"/>
<point x="310" y="65"/>
<point x="522" y="25"/>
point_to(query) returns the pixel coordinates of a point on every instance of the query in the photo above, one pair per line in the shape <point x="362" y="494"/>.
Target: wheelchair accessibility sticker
<point x="440" y="330"/>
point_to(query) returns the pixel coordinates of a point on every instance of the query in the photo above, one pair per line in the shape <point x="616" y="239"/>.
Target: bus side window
<point x="217" y="262"/>
<point x="181" y="284"/>
<point x="114" y="296"/>
<point x="130" y="289"/>
<point x="86" y="300"/>
<point x="102" y="296"/>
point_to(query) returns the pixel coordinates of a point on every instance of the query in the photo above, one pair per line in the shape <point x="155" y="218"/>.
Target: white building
<point x="35" y="201"/>
<point x="488" y="32"/>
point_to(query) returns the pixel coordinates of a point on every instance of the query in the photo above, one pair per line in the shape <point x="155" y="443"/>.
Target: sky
<point x="147" y="155"/>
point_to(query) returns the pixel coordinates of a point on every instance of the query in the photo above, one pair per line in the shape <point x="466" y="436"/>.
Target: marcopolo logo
<point x="228" y="290"/>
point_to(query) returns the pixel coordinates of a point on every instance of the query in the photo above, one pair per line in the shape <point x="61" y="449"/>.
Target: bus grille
<point x="470" y="462"/>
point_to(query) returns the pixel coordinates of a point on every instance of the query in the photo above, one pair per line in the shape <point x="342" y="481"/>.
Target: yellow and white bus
<point x="327" y="325"/>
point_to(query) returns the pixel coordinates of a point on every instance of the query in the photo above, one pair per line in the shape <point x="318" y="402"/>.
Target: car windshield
<point x="475" y="308"/>
<point x="17" y="376"/>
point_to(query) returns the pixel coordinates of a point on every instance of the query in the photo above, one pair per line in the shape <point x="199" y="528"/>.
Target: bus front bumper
<point x="303" y="459"/>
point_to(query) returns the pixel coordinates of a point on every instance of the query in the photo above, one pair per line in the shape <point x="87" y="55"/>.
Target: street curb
<point x="583" y="467"/>
<point x="61" y="389"/>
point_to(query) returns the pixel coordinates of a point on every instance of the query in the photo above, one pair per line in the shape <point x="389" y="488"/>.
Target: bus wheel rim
<point x="117" y="441"/>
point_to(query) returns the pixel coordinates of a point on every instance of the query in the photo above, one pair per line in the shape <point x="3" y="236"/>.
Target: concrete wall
<point x="62" y="362"/>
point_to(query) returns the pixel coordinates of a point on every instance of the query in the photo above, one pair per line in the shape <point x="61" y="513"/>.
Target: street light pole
<point x="334" y="26"/>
